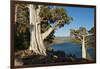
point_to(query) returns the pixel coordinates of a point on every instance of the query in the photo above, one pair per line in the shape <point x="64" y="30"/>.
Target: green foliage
<point x="55" y="15"/>
<point x="82" y="31"/>
<point x="92" y="30"/>
<point x="91" y="38"/>
<point x="77" y="35"/>
<point x="78" y="32"/>
<point x="59" y="15"/>
<point x="22" y="35"/>
<point x="45" y="13"/>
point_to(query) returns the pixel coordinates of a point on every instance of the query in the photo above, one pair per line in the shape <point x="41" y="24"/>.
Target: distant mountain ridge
<point x="61" y="39"/>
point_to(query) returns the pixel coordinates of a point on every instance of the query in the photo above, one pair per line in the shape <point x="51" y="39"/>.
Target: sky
<point x="82" y="17"/>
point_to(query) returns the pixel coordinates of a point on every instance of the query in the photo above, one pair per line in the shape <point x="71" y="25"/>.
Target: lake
<point x="72" y="48"/>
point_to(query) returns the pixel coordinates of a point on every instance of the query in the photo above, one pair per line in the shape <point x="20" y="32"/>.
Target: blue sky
<point x="82" y="17"/>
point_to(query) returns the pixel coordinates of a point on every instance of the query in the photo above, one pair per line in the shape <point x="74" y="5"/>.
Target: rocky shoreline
<point x="51" y="58"/>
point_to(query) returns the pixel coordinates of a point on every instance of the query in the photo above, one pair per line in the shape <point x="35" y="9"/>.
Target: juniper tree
<point x="42" y="22"/>
<point x="81" y="35"/>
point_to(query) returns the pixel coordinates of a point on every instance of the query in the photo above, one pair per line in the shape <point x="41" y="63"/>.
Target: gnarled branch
<point x="46" y="33"/>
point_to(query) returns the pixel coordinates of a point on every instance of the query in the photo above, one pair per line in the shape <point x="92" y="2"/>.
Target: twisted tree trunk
<point x="36" y="41"/>
<point x="37" y="38"/>
<point x="83" y="47"/>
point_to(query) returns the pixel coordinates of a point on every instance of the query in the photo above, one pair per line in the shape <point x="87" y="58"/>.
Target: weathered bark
<point x="33" y="44"/>
<point x="16" y="7"/>
<point x="83" y="47"/>
<point x="47" y="33"/>
<point x="44" y="35"/>
<point x="40" y="41"/>
<point x="36" y="42"/>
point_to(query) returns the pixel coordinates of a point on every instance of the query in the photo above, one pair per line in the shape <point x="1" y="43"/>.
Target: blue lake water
<point x="72" y="48"/>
